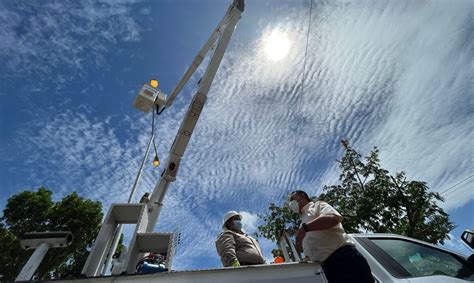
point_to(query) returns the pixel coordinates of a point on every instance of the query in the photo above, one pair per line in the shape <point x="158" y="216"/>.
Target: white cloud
<point x="39" y="38"/>
<point x="268" y="138"/>
<point x="249" y="222"/>
<point x="70" y="151"/>
<point x="457" y="245"/>
<point x="259" y="137"/>
<point x="267" y="247"/>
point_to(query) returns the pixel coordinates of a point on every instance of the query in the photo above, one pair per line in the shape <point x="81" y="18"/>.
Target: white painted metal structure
<point x="300" y="272"/>
<point x="224" y="29"/>
<point x="285" y="244"/>
<point x="145" y="216"/>
<point x="119" y="229"/>
<point x="32" y="264"/>
<point x="41" y="242"/>
<point x="276" y="273"/>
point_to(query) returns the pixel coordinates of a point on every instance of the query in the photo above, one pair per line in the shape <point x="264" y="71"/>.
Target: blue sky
<point x="392" y="74"/>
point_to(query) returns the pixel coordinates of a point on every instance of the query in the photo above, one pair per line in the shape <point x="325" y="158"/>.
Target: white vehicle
<point x="392" y="258"/>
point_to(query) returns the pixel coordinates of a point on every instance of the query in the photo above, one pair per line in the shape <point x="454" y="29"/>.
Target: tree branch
<point x="407" y="207"/>
<point x="357" y="174"/>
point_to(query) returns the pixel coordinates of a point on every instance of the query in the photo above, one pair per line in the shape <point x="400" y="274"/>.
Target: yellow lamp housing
<point x="154" y="83"/>
<point x="156" y="161"/>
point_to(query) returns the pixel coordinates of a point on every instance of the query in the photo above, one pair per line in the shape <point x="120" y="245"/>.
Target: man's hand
<point x="299" y="239"/>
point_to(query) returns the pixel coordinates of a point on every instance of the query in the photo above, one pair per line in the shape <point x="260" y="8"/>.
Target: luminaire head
<point x="53" y="239"/>
<point x="148" y="96"/>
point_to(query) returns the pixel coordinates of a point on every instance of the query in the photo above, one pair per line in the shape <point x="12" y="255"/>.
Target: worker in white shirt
<point x="323" y="239"/>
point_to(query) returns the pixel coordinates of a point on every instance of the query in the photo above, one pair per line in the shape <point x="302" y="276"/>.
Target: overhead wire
<point x="306" y="48"/>
<point x="303" y="84"/>
<point x="455" y="185"/>
<point x="153" y="134"/>
<point x="305" y="58"/>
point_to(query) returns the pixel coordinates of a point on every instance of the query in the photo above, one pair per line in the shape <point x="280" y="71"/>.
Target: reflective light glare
<point x="277" y="45"/>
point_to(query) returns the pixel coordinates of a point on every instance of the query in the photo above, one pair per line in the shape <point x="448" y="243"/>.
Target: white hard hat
<point x="229" y="215"/>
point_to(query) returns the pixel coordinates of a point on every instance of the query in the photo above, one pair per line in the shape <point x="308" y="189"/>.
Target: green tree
<point x="279" y="219"/>
<point x="35" y="211"/>
<point x="10" y="254"/>
<point x="370" y="199"/>
<point x="373" y="200"/>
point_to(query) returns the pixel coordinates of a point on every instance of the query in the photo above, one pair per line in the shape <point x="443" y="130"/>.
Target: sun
<point x="277" y="45"/>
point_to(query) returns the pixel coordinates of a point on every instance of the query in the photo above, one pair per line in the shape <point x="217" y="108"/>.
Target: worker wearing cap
<point x="234" y="246"/>
<point x="323" y="239"/>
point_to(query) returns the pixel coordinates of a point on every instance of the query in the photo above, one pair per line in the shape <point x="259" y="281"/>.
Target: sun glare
<point x="277" y="45"/>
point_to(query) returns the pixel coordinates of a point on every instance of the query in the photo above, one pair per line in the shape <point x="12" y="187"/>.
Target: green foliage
<point x="28" y="211"/>
<point x="279" y="219"/>
<point x="35" y="211"/>
<point x="370" y="199"/>
<point x="11" y="254"/>
<point x="277" y="252"/>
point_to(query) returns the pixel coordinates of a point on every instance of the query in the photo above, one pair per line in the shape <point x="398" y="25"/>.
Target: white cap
<point x="229" y="215"/>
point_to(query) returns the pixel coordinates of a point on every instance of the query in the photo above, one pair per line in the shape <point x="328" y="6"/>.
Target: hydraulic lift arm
<point x="146" y="215"/>
<point x="225" y="29"/>
<point x="236" y="7"/>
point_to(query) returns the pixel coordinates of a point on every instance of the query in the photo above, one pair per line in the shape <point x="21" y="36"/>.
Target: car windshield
<point x="420" y="260"/>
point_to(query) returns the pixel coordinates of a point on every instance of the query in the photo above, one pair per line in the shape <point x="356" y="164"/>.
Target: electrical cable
<point x="298" y="106"/>
<point x="455" y="185"/>
<point x="158" y="112"/>
<point x="153" y="131"/>
<point x="306" y="48"/>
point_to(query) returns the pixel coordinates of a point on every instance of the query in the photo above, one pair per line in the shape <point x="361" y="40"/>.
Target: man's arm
<point x="323" y="222"/>
<point x="225" y="245"/>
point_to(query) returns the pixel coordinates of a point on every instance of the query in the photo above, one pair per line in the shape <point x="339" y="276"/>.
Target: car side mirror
<point x="468" y="237"/>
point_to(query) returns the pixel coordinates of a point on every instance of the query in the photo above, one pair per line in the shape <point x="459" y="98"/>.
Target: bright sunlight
<point x="277" y="45"/>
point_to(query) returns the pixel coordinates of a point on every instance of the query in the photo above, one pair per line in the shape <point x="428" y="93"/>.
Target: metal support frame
<point x="285" y="244"/>
<point x="118" y="214"/>
<point x="41" y="242"/>
<point x="32" y="264"/>
<point x="225" y="29"/>
<point x="237" y="7"/>
<point x="149" y="215"/>
<point x="119" y="229"/>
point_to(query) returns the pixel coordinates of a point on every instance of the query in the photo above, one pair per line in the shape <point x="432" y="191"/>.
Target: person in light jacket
<point x="234" y="246"/>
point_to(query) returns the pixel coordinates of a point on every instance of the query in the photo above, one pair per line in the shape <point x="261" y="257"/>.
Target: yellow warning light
<point x="156" y="161"/>
<point x="154" y="83"/>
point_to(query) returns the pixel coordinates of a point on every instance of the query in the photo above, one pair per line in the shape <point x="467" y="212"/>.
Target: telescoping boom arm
<point x="145" y="215"/>
<point x="228" y="22"/>
<point x="221" y="34"/>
